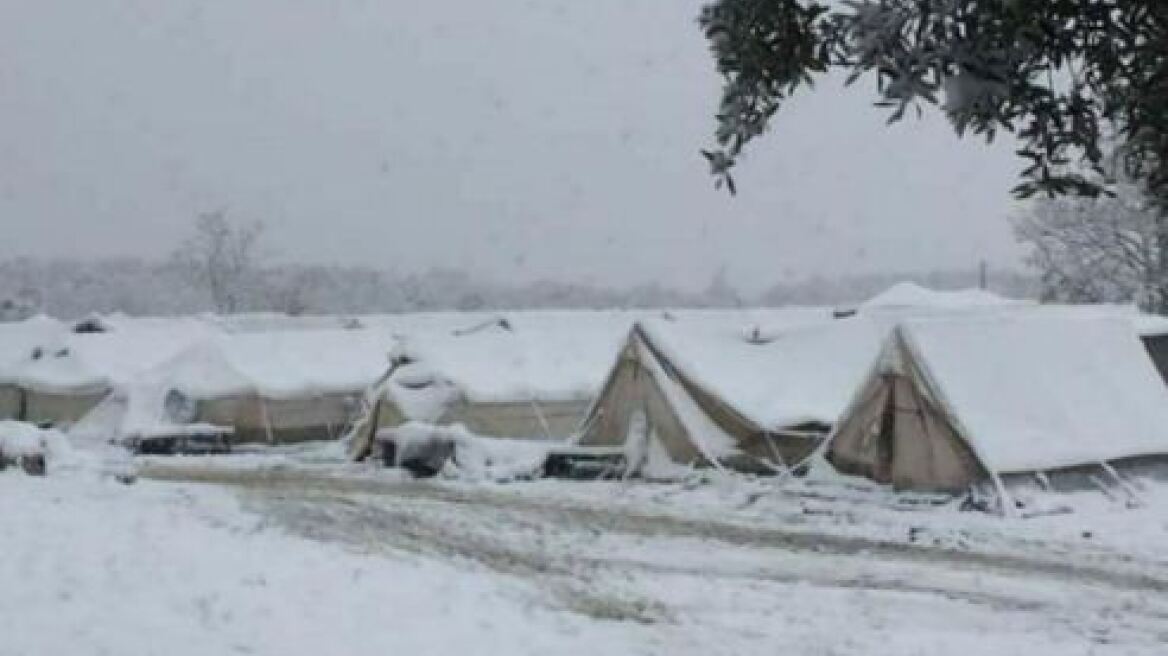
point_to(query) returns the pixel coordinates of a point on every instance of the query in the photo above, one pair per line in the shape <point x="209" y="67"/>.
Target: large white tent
<point x="750" y="397"/>
<point x="953" y="401"/>
<point x="266" y="387"/>
<point x="60" y="375"/>
<point x="18" y="341"/>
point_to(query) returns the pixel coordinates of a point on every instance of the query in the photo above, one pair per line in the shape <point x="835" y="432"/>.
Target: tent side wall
<point x="1089" y="477"/>
<point x="10" y="402"/>
<point x="289" y="420"/>
<point x="631" y="389"/>
<point x="856" y="447"/>
<point x="518" y="419"/>
<point x="59" y="408"/>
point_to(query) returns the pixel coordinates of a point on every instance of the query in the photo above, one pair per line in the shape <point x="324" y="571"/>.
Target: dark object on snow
<point x="33" y="464"/>
<point x="842" y="313"/>
<point x="974" y="503"/>
<point x="423" y="458"/>
<point x="586" y="464"/>
<point x="497" y="322"/>
<point x="168" y="445"/>
<point x="91" y="325"/>
<point x="388" y="452"/>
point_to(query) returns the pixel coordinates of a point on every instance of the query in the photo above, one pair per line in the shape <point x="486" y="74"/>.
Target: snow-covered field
<point x="293" y="554"/>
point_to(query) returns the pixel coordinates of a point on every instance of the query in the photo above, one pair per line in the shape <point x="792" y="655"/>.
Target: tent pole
<point x="1133" y="496"/>
<point x="267" y="420"/>
<point x="547" y="430"/>
<point x="1009" y="507"/>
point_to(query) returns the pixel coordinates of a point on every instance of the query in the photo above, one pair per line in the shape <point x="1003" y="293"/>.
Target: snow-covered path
<point x="251" y="561"/>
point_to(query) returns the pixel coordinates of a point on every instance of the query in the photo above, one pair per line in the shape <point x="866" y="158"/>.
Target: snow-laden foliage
<point x="1097" y="250"/>
<point x="1056" y="73"/>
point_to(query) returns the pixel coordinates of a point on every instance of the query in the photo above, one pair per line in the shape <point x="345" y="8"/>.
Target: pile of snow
<point x="1040" y="390"/>
<point x="474" y="458"/>
<point x="906" y="295"/>
<point x="19" y="439"/>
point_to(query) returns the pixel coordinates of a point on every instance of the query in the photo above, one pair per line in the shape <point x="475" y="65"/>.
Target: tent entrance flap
<point x="896" y="435"/>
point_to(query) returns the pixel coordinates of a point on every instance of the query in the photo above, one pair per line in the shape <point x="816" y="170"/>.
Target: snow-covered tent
<point x="908" y="296"/>
<point x="753" y="399"/>
<point x="63" y="375"/>
<point x="524" y="375"/>
<point x="18" y="341"/>
<point x="272" y="387"/>
<point x="967" y="399"/>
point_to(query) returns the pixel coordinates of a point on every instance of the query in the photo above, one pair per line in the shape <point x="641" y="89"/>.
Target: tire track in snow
<point x="634" y="522"/>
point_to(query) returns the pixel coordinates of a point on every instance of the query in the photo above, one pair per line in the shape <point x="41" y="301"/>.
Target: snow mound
<point x="904" y="295"/>
<point x="474" y="458"/>
<point x="19" y="439"/>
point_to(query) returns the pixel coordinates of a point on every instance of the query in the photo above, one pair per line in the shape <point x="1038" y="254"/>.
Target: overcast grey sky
<point x="513" y="138"/>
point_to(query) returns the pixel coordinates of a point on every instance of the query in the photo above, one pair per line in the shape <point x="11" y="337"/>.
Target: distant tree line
<point x="222" y="267"/>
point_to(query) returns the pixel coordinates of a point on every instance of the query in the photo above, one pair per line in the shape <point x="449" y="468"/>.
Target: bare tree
<point x="1103" y="249"/>
<point x="222" y="258"/>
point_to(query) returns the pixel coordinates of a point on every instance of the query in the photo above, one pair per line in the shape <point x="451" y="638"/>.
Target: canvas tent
<point x="277" y="387"/>
<point x="753" y="399"/>
<point x="523" y="376"/>
<point x="64" y="375"/>
<point x="18" y="341"/>
<point x="957" y="401"/>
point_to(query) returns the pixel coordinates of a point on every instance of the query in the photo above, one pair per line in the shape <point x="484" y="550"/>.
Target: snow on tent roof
<point x="545" y="354"/>
<point x="912" y="295"/>
<point x="805" y="373"/>
<point x="1144" y="324"/>
<point x="1041" y="390"/>
<point x="64" y="362"/>
<point x="525" y="356"/>
<point x="276" y="365"/>
<point x="19" y="338"/>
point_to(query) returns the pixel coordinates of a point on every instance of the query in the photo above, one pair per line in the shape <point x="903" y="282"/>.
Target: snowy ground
<point x="273" y="554"/>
